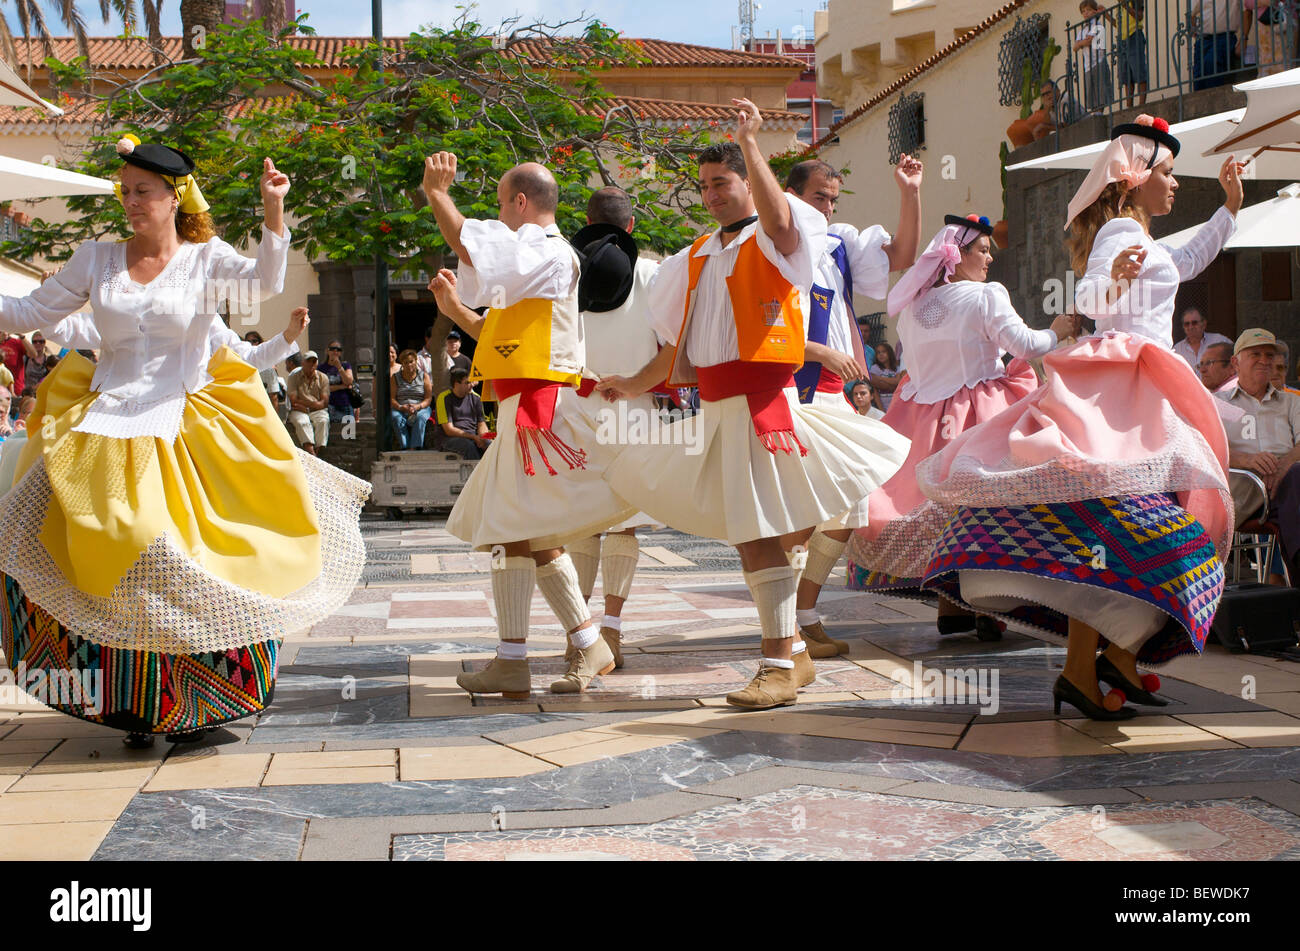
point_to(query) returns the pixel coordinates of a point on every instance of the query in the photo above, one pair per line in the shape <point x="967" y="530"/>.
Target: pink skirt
<point x="893" y="549"/>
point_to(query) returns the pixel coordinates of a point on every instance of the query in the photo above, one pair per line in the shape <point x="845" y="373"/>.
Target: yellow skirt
<point x="223" y="538"/>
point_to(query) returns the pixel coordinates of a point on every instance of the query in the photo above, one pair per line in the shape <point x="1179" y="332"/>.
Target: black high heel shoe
<point x="191" y="737"/>
<point x="137" y="741"/>
<point x="1064" y="690"/>
<point x="1109" y="674"/>
<point x="987" y="629"/>
<point x="955" y="623"/>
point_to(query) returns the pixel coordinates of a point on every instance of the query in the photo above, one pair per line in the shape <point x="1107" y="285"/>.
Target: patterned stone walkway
<point x="910" y="747"/>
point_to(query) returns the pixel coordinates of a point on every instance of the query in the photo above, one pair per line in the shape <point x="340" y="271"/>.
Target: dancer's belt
<point x="762" y="384"/>
<point x="829" y="382"/>
<point x="534" y="417"/>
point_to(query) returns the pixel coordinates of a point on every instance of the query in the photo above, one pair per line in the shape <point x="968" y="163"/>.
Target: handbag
<point x="355" y="397"/>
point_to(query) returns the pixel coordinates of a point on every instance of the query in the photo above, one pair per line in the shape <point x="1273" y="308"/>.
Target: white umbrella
<point x="1272" y="119"/>
<point x="15" y="92"/>
<point x="27" y="180"/>
<point x="1198" y="138"/>
<point x="1270" y="224"/>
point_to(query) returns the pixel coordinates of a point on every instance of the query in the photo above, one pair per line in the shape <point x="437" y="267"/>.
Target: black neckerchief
<point x="738" y="225"/>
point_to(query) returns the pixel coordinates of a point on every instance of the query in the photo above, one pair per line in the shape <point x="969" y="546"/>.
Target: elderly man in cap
<point x="1266" y="441"/>
<point x="532" y="492"/>
<point x="309" y="394"/>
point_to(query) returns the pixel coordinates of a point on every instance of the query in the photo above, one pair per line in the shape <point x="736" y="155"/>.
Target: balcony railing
<point x="1135" y="51"/>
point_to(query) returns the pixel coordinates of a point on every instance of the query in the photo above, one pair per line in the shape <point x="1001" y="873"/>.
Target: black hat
<point x="975" y="223"/>
<point x="1158" y="130"/>
<point x="162" y="159"/>
<point x="454" y="335"/>
<point x="608" y="256"/>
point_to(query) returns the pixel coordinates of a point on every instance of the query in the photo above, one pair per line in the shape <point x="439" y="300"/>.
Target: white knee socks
<point x="798" y="558"/>
<point x="512" y="594"/>
<point x="823" y="553"/>
<point x="559" y="583"/>
<point x="773" y="590"/>
<point x="586" y="559"/>
<point x="618" y="564"/>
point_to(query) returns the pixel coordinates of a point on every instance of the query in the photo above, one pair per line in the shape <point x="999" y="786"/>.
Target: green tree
<point x="355" y="145"/>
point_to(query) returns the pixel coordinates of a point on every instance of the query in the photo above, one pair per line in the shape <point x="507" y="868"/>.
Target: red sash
<point x="830" y="382"/>
<point x="762" y="384"/>
<point x="533" y="420"/>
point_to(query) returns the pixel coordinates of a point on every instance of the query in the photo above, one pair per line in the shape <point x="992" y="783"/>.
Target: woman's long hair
<point x="197" y="227"/>
<point x="1115" y="201"/>
<point x="893" y="357"/>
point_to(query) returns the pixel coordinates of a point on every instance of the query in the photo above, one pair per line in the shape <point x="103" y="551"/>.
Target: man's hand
<point x="443" y="286"/>
<point x="439" y="173"/>
<point x="298" y="321"/>
<point x="907" y="173"/>
<point x="749" y="120"/>
<point x="1261" y="463"/>
<point x="617" y="388"/>
<point x="480" y="441"/>
<point x="841" y="364"/>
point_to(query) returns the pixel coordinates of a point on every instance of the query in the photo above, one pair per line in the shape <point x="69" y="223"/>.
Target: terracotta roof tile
<point x="135" y="53"/>
<point x="916" y="71"/>
<point x="675" y="110"/>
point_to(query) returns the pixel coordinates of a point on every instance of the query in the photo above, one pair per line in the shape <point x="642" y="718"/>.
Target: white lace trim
<point x="167" y="602"/>
<point x="120" y="418"/>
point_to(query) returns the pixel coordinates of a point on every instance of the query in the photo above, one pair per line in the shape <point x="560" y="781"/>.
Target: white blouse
<point x="1147" y="306"/>
<point x="711" y="338"/>
<point x="155" y="339"/>
<point x="955" y="335"/>
<point x="869" y="267"/>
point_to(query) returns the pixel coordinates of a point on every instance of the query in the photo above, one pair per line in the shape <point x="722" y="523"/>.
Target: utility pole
<point x="382" y="369"/>
<point x="747" y="8"/>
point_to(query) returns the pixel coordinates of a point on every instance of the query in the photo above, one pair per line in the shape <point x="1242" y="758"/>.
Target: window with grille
<point x="1025" y="42"/>
<point x="906" y="125"/>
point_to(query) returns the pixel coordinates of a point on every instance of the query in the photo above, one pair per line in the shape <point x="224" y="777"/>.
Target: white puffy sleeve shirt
<point x="510" y="266"/>
<point x="869" y="268"/>
<point x="155" y="339"/>
<point x="712" y="334"/>
<point x="955" y="335"/>
<point x="1147" y="306"/>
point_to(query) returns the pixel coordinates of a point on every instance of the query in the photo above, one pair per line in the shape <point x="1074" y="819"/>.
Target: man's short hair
<point x="803" y="172"/>
<point x="609" y="206"/>
<point x="459" y="375"/>
<point x="1219" y="351"/>
<point x="728" y="154"/>
<point x="1191" y="309"/>
<point x="537" y="185"/>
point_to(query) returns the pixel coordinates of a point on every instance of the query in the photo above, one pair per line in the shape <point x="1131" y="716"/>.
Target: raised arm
<point x="60" y="295"/>
<point x="902" y="249"/>
<point x="439" y="174"/>
<point x="774" y="215"/>
<point x="1195" y="256"/>
<point x="443" y="286"/>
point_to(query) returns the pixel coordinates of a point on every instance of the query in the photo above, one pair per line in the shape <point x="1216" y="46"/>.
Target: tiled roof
<point x="674" y="110"/>
<point x="916" y="71"/>
<point x="119" y="53"/>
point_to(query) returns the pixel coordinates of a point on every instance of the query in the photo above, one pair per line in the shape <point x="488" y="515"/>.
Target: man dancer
<point x="530" y="345"/>
<point x="613" y="295"/>
<point x="733" y="307"/>
<point x="853" y="261"/>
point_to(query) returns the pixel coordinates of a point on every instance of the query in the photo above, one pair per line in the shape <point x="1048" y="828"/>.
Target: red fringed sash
<point x="830" y="382"/>
<point x="762" y="385"/>
<point x="533" y="419"/>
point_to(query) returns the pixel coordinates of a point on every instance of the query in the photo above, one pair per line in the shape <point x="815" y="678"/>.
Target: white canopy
<point x="26" y="180"/>
<point x="1270" y="224"/>
<point x="1272" y="119"/>
<point x="1198" y="138"/>
<point x="15" y="92"/>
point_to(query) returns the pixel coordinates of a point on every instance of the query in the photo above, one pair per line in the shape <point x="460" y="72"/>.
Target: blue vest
<point x="819" y="319"/>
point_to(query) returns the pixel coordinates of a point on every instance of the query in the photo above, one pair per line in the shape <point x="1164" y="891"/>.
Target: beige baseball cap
<point x="1254" y="337"/>
<point x="310" y="355"/>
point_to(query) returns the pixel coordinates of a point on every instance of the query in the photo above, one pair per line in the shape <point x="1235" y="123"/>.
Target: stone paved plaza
<point x="370" y="751"/>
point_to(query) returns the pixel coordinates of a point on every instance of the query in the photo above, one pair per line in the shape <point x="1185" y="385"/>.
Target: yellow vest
<point x="532" y="339"/>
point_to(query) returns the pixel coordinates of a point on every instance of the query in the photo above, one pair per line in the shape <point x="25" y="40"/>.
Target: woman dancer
<point x="1103" y="495"/>
<point x="955" y="326"/>
<point x="163" y="534"/>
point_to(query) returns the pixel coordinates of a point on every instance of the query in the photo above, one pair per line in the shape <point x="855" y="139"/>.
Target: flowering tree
<point x="354" y="142"/>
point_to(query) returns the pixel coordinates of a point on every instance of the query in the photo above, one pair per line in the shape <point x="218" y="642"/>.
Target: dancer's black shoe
<point x="1064" y="690"/>
<point x="955" y="623"/>
<point x="987" y="629"/>
<point x="1109" y="674"/>
<point x="137" y="741"/>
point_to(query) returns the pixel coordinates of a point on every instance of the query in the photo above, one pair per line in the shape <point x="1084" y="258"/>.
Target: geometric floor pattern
<point x="912" y="747"/>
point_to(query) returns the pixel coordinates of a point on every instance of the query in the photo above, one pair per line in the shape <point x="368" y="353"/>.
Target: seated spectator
<point x="340" y="373"/>
<point x="865" y="400"/>
<point x="35" y="365"/>
<point x="410" y="397"/>
<point x="6" y="398"/>
<point x="384" y="370"/>
<point x="309" y="391"/>
<point x="885" y="373"/>
<point x="24" y="410"/>
<point x="1192" y="347"/>
<point x="1266" y="441"/>
<point x="424" y="357"/>
<point x="452" y="357"/>
<point x="1280" y="365"/>
<point x="1216" y="366"/>
<point x="461" y="426"/>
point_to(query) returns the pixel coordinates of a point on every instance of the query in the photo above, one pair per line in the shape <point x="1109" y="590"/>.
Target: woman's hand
<point x="1230" y="179"/>
<point x="275" y="184"/>
<point x="1127" y="264"/>
<point x="298" y="321"/>
<point x="1065" y="325"/>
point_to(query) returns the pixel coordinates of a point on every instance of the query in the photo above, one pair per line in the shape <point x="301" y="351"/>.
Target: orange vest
<point x="765" y="306"/>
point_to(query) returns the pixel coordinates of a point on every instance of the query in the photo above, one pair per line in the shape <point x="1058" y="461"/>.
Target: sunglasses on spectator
<point x="340" y="349"/>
